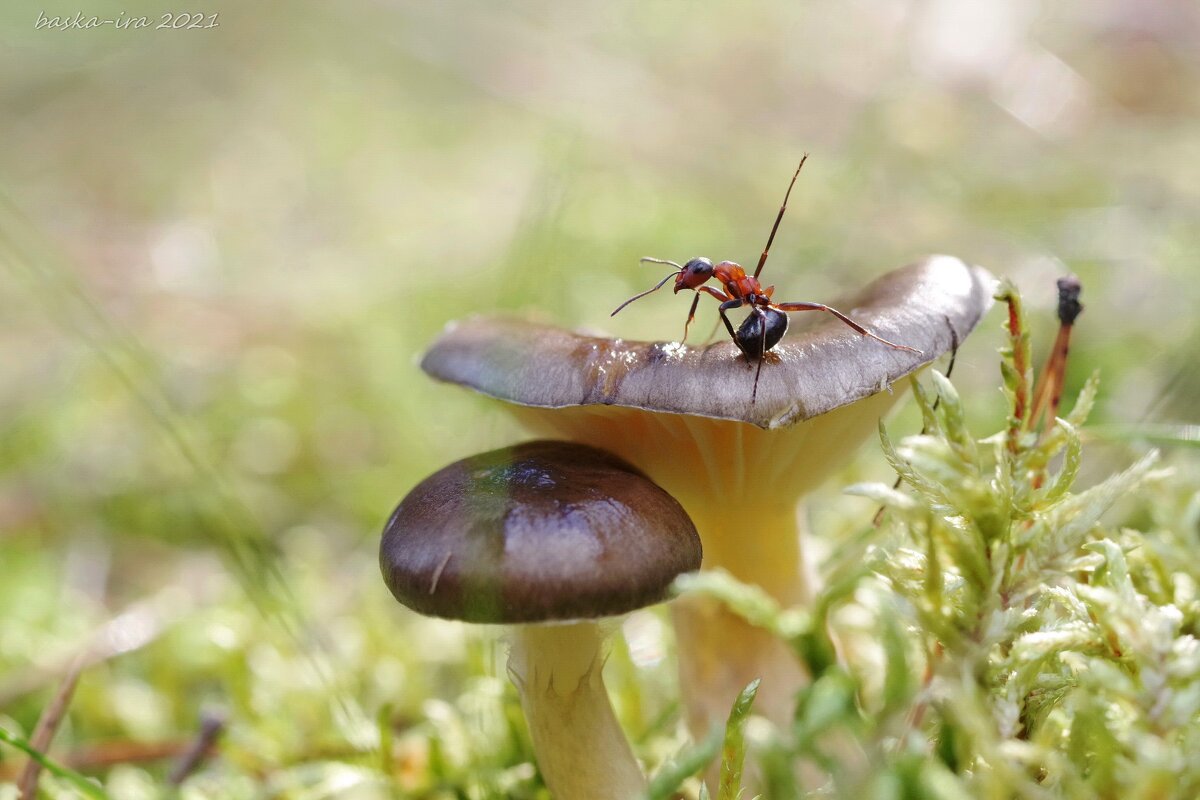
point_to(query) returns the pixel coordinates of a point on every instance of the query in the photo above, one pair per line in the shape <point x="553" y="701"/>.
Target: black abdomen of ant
<point x="750" y="338"/>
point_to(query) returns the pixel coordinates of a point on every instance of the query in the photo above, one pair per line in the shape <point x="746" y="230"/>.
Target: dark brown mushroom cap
<point x="537" y="532"/>
<point x="928" y="305"/>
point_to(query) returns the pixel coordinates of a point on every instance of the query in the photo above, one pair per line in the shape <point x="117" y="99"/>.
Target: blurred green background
<point x="223" y="249"/>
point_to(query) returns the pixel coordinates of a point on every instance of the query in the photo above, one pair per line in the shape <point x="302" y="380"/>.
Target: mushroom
<point x="546" y="537"/>
<point x="684" y="416"/>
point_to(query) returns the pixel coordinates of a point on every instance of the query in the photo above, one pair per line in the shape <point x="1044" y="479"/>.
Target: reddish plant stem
<point x="1021" y="367"/>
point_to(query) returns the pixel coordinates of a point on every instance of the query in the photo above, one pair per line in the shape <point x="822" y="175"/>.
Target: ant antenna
<point x="779" y="217"/>
<point x="648" y="291"/>
<point x="649" y="260"/>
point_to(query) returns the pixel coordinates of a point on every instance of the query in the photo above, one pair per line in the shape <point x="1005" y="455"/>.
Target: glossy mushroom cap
<point x="928" y="305"/>
<point x="537" y="532"/>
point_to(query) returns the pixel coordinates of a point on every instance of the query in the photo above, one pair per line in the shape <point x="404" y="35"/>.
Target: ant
<point x="766" y="324"/>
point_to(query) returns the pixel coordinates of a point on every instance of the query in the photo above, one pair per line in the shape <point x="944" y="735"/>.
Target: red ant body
<point x="765" y="325"/>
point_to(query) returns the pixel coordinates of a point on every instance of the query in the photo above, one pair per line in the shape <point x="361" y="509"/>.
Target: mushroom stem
<point x="581" y="750"/>
<point x="719" y="651"/>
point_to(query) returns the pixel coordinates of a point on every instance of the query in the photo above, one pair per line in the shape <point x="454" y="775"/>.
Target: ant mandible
<point x="767" y="322"/>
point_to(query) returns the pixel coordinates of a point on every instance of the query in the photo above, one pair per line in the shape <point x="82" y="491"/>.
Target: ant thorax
<point x="729" y="272"/>
<point x="737" y="283"/>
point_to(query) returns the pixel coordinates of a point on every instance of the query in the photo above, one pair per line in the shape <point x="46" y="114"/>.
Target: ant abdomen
<point x="749" y="338"/>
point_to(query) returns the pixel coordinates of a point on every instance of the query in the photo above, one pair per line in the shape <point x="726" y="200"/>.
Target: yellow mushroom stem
<point x="741" y="485"/>
<point x="581" y="750"/>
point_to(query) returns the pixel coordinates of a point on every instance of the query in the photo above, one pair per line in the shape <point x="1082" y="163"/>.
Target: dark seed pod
<point x="1069" y="307"/>
<point x="750" y="332"/>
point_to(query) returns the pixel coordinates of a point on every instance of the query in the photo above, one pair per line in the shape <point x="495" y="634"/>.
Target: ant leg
<point x="762" y="353"/>
<point x="726" y="306"/>
<point x="719" y="295"/>
<point x="843" y="318"/>
<point x="691" y="316"/>
<point x="779" y="218"/>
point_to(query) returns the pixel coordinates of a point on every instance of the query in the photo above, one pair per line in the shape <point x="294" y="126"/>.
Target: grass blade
<point x="733" y="752"/>
<point x="84" y="785"/>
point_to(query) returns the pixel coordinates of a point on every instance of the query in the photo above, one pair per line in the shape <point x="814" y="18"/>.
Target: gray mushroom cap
<point x="928" y="306"/>
<point x="537" y="532"/>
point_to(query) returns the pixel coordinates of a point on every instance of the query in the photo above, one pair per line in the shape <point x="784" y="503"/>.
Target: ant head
<point x="693" y="274"/>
